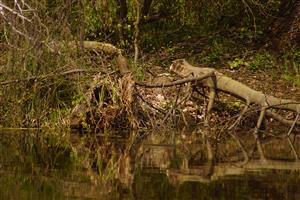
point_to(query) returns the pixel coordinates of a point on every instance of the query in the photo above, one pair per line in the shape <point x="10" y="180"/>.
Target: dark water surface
<point x="18" y="180"/>
<point x="149" y="185"/>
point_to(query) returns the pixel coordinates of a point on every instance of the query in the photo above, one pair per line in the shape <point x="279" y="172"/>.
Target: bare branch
<point x="3" y="7"/>
<point x="179" y="82"/>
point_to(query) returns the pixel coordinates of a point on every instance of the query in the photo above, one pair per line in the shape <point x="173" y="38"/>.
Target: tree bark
<point x="122" y="10"/>
<point x="286" y="30"/>
<point x="233" y="87"/>
<point x="146" y="8"/>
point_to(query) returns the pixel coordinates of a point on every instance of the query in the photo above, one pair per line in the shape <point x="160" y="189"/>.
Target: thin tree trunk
<point x="146" y="8"/>
<point x="122" y="13"/>
<point x="122" y="10"/>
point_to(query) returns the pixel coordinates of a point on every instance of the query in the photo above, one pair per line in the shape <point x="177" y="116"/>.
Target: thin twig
<point x="14" y="12"/>
<point x="173" y="83"/>
<point x="152" y="106"/>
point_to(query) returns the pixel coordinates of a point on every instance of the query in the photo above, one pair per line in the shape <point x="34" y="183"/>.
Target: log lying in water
<point x="220" y="82"/>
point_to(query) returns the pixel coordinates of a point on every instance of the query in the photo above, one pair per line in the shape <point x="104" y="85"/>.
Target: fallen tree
<point x="203" y="77"/>
<point x="113" y="97"/>
<point x="220" y="82"/>
<point x="119" y="88"/>
<point x="123" y="85"/>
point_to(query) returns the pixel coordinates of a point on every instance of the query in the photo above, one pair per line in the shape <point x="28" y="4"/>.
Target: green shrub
<point x="261" y="61"/>
<point x="291" y="64"/>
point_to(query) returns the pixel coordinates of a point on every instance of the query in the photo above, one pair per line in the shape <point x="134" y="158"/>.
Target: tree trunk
<point x="122" y="10"/>
<point x="146" y="8"/>
<point x="286" y="30"/>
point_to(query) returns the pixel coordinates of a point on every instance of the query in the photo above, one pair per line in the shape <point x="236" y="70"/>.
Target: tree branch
<point x="173" y="83"/>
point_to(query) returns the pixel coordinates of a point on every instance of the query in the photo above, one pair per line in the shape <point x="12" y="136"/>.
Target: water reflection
<point x="156" y="168"/>
<point x="155" y="185"/>
<point x="251" y="185"/>
<point x="15" y="185"/>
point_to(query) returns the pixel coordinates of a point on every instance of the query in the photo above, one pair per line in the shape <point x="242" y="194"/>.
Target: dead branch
<point x="151" y="105"/>
<point x="280" y="118"/>
<point x="174" y="83"/>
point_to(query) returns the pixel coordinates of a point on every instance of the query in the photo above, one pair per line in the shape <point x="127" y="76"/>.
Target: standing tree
<point x="286" y="29"/>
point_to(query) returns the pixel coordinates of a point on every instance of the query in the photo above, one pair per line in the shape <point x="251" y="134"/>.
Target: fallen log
<point x="211" y="79"/>
<point x="233" y="87"/>
<point x="106" y="48"/>
<point x="222" y="83"/>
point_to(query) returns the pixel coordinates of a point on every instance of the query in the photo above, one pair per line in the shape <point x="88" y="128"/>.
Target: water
<point x="26" y="174"/>
<point x="154" y="185"/>
<point x="251" y="185"/>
